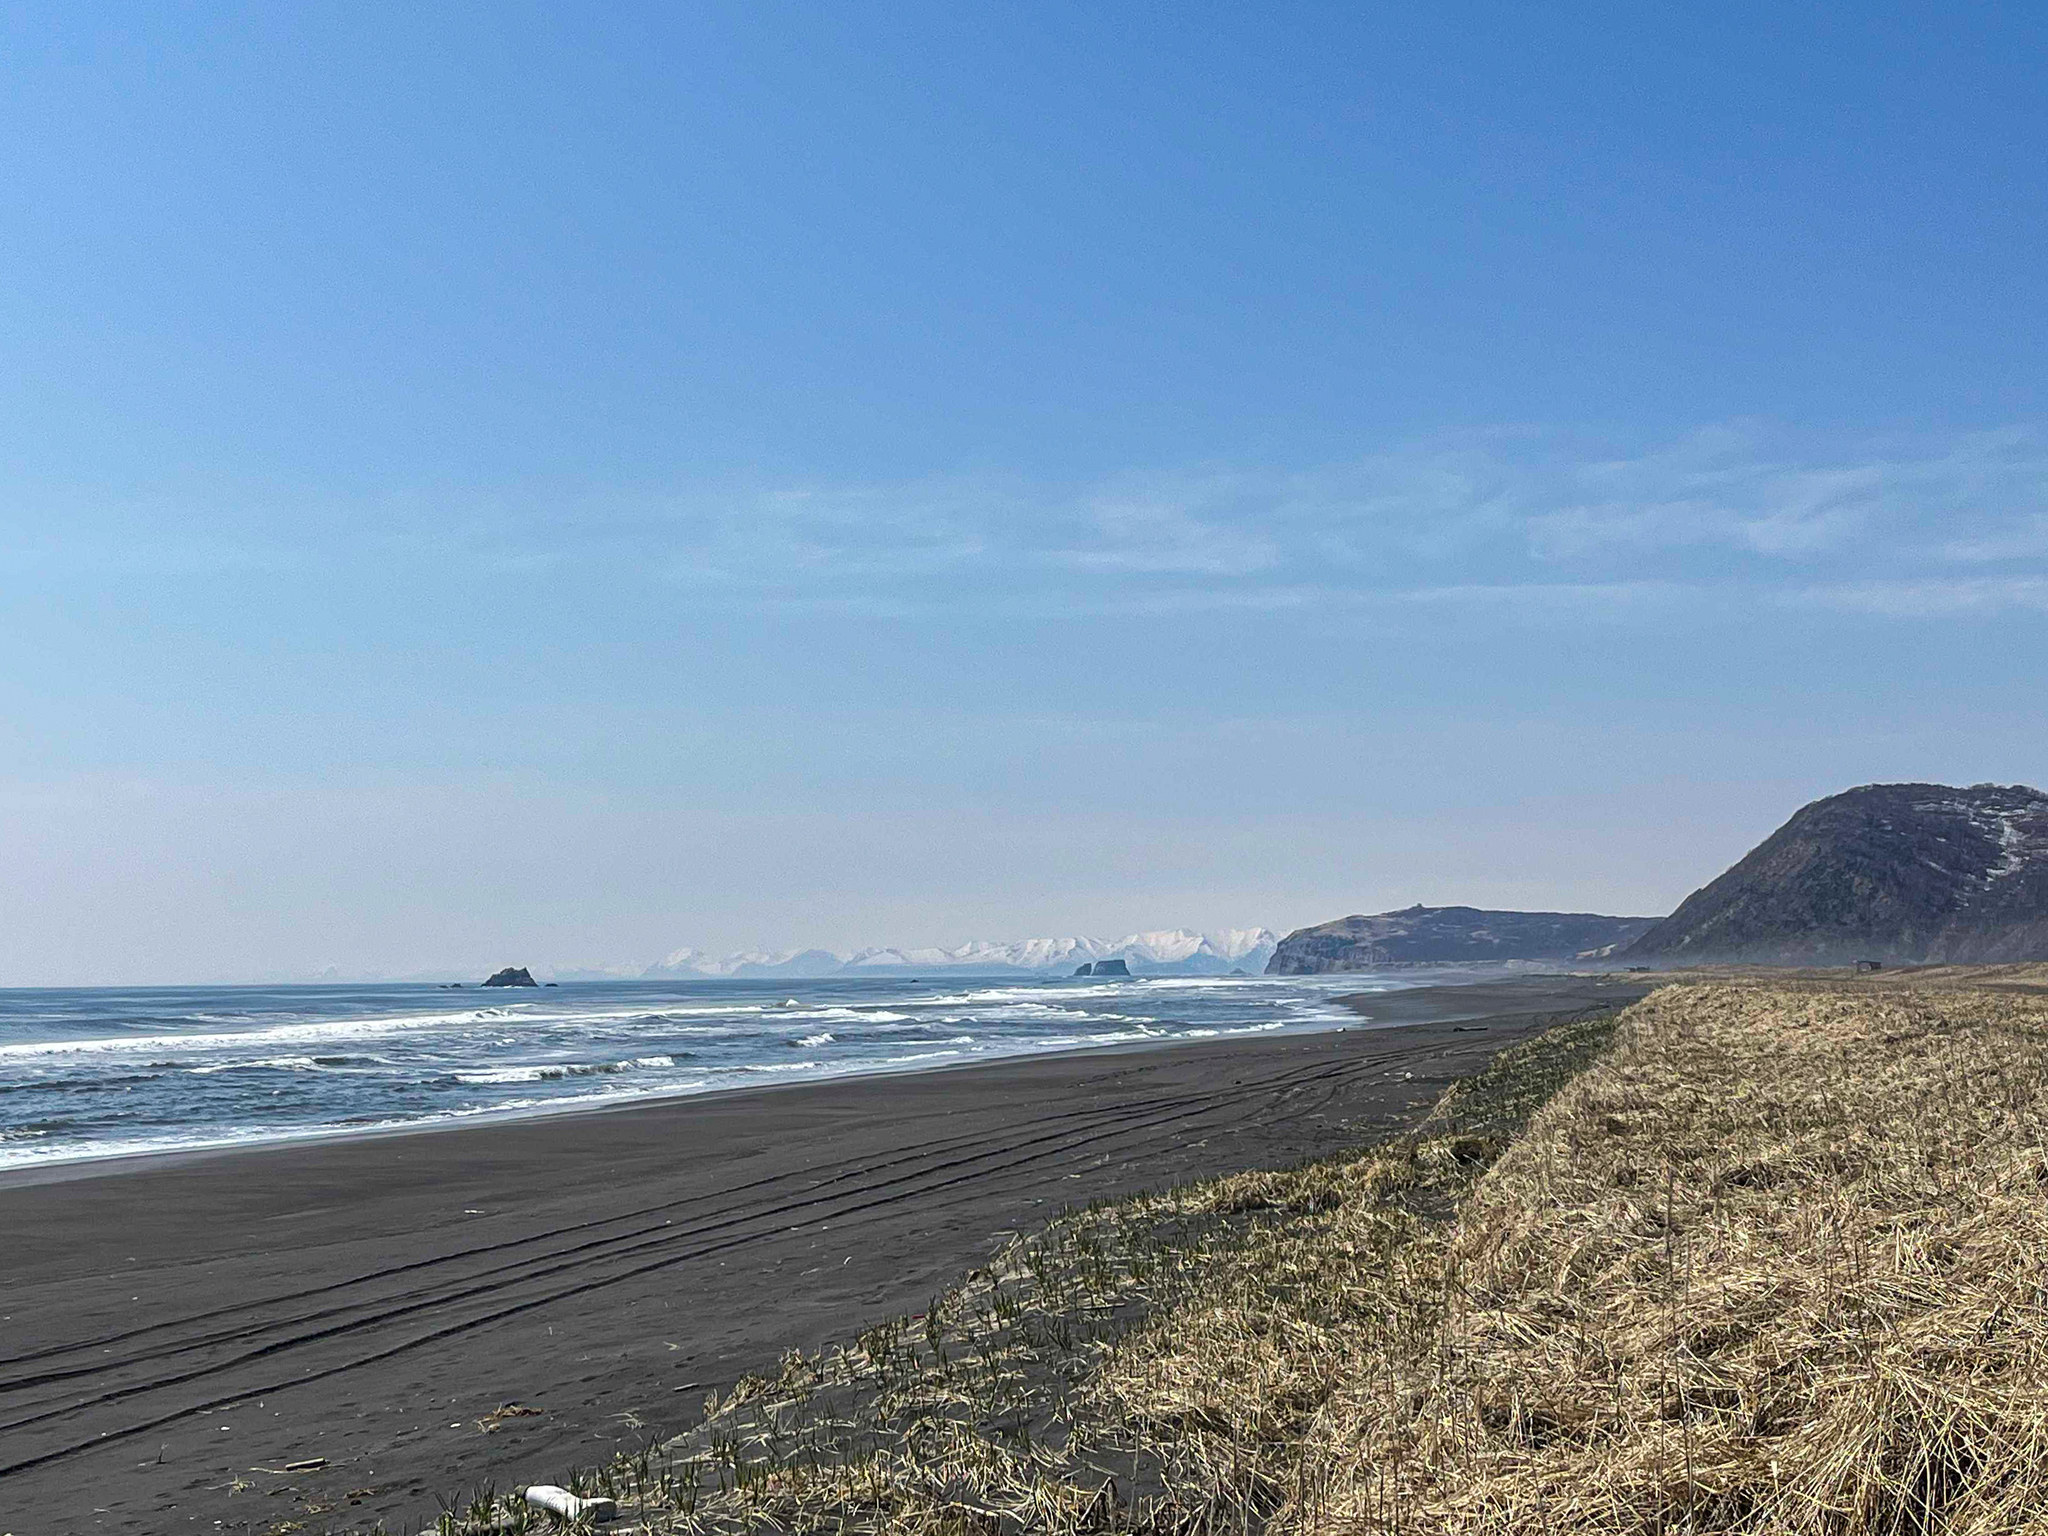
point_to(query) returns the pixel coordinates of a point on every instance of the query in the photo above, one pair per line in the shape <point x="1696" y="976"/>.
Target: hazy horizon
<point x="541" y="486"/>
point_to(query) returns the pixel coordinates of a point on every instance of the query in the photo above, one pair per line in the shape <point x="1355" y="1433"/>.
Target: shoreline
<point x="88" y="1164"/>
<point x="175" y="1329"/>
<point x="96" y="1164"/>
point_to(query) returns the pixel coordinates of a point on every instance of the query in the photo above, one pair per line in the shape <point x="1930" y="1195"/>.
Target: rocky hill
<point x="1902" y="873"/>
<point x="1449" y="933"/>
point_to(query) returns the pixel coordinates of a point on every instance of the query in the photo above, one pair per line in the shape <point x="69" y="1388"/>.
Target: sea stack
<point x="511" y="976"/>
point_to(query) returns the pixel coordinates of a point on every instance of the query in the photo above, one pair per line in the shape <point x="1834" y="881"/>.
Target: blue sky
<point x="486" y="484"/>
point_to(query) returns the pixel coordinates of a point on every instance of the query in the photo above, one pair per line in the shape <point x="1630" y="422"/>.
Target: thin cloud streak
<point x="1931" y="599"/>
<point x="1519" y="522"/>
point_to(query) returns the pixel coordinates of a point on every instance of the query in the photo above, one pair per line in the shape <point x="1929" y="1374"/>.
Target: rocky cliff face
<point x="1903" y="873"/>
<point x="1449" y="933"/>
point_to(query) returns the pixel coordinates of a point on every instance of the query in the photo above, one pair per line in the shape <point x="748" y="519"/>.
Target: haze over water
<point x="94" y="1072"/>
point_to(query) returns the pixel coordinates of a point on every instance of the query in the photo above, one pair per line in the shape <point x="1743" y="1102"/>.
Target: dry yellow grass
<point x="1774" y="1261"/>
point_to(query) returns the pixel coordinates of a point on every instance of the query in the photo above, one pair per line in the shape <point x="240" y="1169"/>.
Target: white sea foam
<point x="554" y="1071"/>
<point x="507" y="1075"/>
<point x="1042" y="992"/>
<point x="289" y="1034"/>
<point x="1106" y="1037"/>
<point x="275" y="1063"/>
<point x="847" y="1015"/>
<point x="1026" y="1012"/>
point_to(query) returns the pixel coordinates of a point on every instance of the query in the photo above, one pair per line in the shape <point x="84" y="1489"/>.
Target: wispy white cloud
<point x="2022" y="538"/>
<point x="1522" y="523"/>
<point x="1164" y="535"/>
<point x="1934" y="598"/>
<point x="1575" y="599"/>
<point x="1740" y="492"/>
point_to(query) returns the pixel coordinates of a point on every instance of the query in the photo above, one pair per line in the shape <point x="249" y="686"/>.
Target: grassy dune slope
<point x="1774" y="1263"/>
<point x="1769" y="1257"/>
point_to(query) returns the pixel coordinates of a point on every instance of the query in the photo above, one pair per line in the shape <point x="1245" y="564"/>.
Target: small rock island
<point x="511" y="976"/>
<point x="1105" y="968"/>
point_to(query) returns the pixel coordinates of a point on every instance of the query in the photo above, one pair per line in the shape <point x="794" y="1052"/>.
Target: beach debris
<point x="560" y="1501"/>
<point x="498" y="1415"/>
<point x="310" y="1464"/>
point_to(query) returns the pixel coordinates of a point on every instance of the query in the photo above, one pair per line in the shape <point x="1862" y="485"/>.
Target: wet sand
<point x="174" y="1331"/>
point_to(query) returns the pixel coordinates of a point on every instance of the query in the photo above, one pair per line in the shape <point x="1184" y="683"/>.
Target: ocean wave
<point x="1107" y="1037"/>
<point x="811" y="1042"/>
<point x="126" y="1082"/>
<point x="1213" y="983"/>
<point x="284" y="1064"/>
<point x="1002" y="1009"/>
<point x="496" y="1075"/>
<point x="293" y="1033"/>
<point x="1320" y="1012"/>
<point x="1033" y="992"/>
<point x="845" y="1015"/>
<point x="1221" y="1031"/>
<point x="287" y="1034"/>
<point x="20" y="1154"/>
<point x="556" y="1071"/>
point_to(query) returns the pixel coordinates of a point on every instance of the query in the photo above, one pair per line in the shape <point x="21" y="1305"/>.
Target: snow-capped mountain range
<point x="1167" y="952"/>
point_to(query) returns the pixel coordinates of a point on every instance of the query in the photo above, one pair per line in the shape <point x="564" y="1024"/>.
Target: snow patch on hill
<point x="2019" y="828"/>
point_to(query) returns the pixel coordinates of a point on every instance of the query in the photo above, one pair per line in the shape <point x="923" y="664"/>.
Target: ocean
<point x="99" y="1072"/>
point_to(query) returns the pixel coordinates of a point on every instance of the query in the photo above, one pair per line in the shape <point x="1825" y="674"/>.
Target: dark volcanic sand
<point x="169" y="1325"/>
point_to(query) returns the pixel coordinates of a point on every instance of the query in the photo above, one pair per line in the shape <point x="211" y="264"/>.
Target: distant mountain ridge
<point x="1164" y="952"/>
<point x="1438" y="934"/>
<point x="1901" y="873"/>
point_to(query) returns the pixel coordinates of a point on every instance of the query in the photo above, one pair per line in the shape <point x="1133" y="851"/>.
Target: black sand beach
<point x="175" y="1331"/>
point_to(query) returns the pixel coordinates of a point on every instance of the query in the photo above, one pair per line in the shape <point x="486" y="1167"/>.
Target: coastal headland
<point x="340" y="1332"/>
